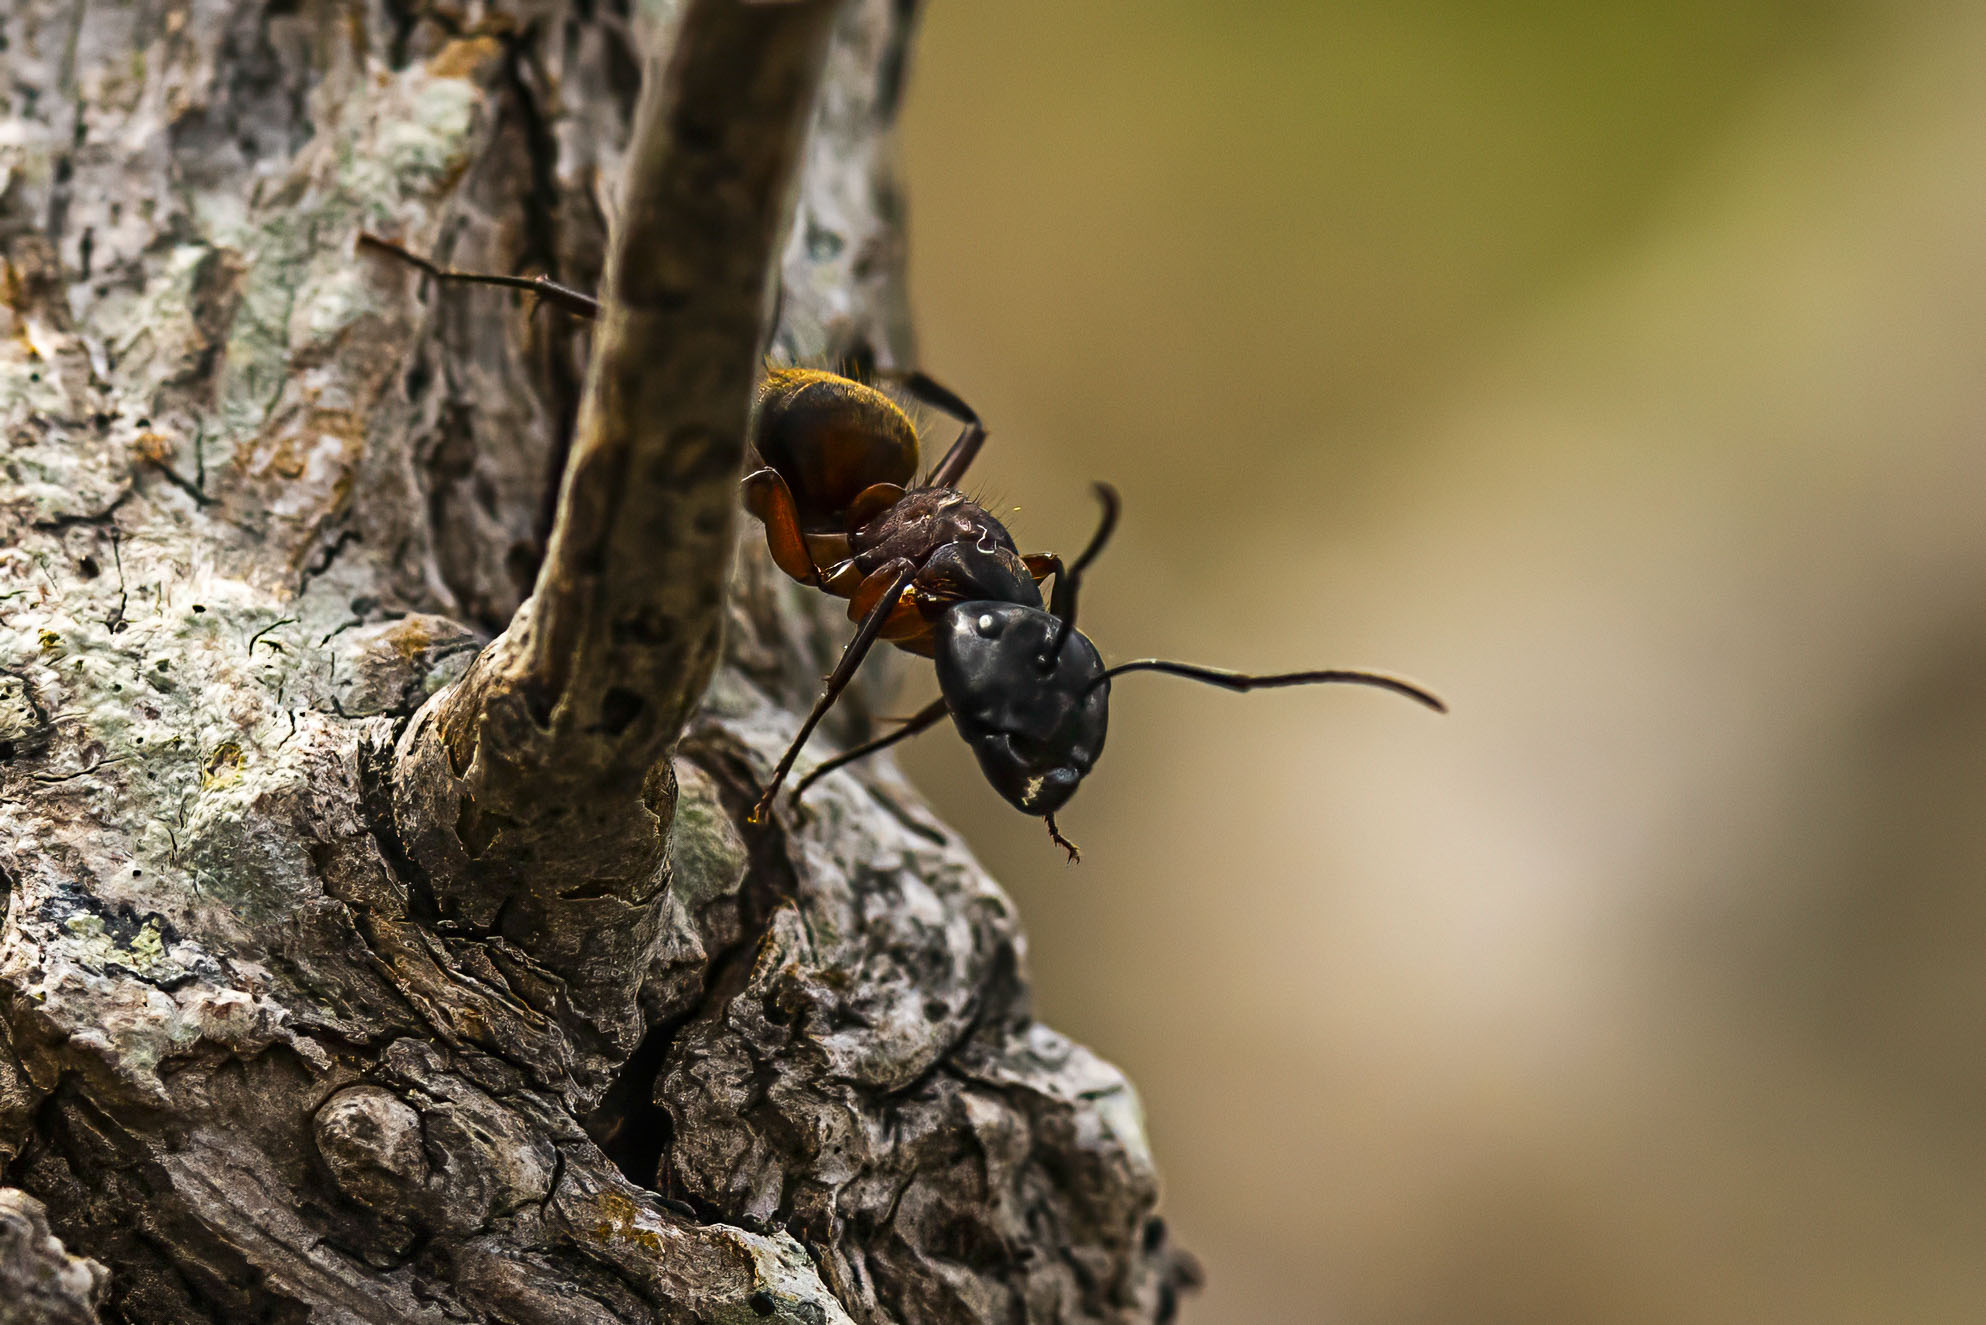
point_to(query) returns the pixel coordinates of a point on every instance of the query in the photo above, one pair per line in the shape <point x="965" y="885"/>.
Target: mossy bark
<point x="346" y="975"/>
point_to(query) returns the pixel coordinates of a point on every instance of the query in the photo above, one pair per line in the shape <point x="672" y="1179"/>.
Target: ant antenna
<point x="1227" y="680"/>
<point x="1063" y="605"/>
<point x="572" y="301"/>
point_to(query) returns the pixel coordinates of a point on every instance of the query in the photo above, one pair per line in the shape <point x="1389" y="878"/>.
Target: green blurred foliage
<point x="1312" y="207"/>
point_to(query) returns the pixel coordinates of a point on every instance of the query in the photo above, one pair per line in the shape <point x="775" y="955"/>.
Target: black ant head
<point x="1034" y="718"/>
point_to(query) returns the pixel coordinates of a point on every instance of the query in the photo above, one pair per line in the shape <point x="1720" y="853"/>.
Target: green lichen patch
<point x="707" y="856"/>
<point x="138" y="946"/>
<point x="222" y="768"/>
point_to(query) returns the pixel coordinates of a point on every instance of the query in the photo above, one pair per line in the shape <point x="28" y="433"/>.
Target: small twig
<point x="630" y="594"/>
<point x="623" y="629"/>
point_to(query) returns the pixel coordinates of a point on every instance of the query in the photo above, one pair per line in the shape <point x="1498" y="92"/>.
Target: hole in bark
<point x="645" y="626"/>
<point x="538" y="704"/>
<point x="521" y="564"/>
<point x="762" y="1303"/>
<point x="628" y="1125"/>
<point x="618" y="708"/>
<point x="88" y="567"/>
<point x="477" y="831"/>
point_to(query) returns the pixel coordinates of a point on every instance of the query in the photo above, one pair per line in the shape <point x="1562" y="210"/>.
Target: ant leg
<point x="922" y="720"/>
<point x="924" y="388"/>
<point x="562" y="296"/>
<point x="900" y="573"/>
<point x="767" y="496"/>
<point x="1075" y="852"/>
<point x="957" y="460"/>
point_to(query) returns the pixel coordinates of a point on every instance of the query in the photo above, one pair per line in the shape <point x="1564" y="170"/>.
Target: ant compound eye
<point x="985" y="623"/>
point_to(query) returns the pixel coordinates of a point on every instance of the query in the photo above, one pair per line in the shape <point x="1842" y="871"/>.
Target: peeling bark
<point x="367" y="956"/>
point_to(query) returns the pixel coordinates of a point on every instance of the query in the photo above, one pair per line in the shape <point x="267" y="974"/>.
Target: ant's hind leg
<point x="922" y="720"/>
<point x="927" y="390"/>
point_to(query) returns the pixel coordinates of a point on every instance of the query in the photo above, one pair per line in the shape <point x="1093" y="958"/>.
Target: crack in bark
<point x="542" y="249"/>
<point x="768" y="882"/>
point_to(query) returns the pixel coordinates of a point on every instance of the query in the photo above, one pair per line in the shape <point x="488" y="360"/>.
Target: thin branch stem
<point x="622" y="632"/>
<point x="535" y="793"/>
<point x="630" y="595"/>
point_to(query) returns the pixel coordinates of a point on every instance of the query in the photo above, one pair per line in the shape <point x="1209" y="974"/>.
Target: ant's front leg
<point x="894" y="579"/>
<point x="767" y="497"/>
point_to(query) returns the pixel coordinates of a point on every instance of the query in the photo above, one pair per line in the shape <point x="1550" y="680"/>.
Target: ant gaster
<point x="931" y="571"/>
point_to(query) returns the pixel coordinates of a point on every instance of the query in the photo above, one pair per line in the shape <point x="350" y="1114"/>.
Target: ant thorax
<point x="924" y="520"/>
<point x="961" y="551"/>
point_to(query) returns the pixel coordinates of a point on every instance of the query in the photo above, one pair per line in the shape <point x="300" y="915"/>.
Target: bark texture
<point x="367" y="955"/>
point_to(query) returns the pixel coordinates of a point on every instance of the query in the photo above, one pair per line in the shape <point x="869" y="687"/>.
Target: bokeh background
<point x="1618" y="369"/>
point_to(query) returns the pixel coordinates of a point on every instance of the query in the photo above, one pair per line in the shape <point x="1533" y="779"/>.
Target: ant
<point x="931" y="571"/>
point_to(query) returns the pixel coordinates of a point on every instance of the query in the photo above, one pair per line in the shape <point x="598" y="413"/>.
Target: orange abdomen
<point x="830" y="438"/>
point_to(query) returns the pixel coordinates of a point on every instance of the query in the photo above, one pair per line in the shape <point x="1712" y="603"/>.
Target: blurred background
<point x="1618" y="370"/>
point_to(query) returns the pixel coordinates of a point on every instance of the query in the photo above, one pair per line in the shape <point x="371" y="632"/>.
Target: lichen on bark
<point x="292" y="1025"/>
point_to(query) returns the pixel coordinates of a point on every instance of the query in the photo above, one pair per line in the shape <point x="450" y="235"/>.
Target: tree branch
<point x="521" y="791"/>
<point x="624" y="634"/>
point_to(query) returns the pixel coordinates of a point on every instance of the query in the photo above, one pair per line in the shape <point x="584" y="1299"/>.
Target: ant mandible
<point x="931" y="571"/>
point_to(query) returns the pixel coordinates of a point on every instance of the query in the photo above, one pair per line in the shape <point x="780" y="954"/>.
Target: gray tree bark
<point x="383" y="939"/>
